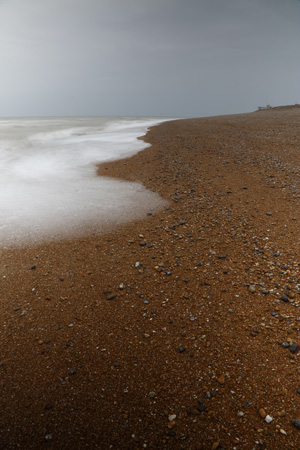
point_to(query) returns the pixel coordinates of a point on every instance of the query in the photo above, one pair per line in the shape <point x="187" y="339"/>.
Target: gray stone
<point x="296" y="423"/>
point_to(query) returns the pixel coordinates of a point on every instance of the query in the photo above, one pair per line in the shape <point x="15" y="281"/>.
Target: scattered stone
<point x="240" y="414"/>
<point x="284" y="298"/>
<point x="201" y="407"/>
<point x="33" y="267"/>
<point x="283" y="432"/>
<point x="48" y="406"/>
<point x="151" y="394"/>
<point x="181" y="348"/>
<point x="268" y="419"/>
<point x="121" y="286"/>
<point x="172" y="417"/>
<point x="48" y="437"/>
<point x="215" y="445"/>
<point x="262" y="413"/>
<point x="265" y="292"/>
<point x="252" y="289"/>
<point x="294" y="348"/>
<point x="111" y="296"/>
<point x="296" y="423"/>
<point x="73" y="371"/>
<point x="221" y="379"/>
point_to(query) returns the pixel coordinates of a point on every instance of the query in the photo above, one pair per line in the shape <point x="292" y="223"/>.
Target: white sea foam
<point x="49" y="186"/>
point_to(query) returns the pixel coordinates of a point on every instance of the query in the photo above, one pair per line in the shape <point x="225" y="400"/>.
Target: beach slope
<point x="179" y="330"/>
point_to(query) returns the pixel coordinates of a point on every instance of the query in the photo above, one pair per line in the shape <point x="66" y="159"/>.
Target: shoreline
<point x="183" y="313"/>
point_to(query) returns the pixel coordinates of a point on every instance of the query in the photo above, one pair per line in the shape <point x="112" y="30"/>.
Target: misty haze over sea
<point x="49" y="186"/>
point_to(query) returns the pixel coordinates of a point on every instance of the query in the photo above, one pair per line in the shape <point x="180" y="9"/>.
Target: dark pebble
<point x="265" y="292"/>
<point x="284" y="298"/>
<point x="111" y="296"/>
<point x="294" y="348"/>
<point x="171" y="433"/>
<point x="73" y="371"/>
<point x="296" y="423"/>
<point x="48" y="406"/>
<point x="298" y="391"/>
<point x="181" y="348"/>
<point x="33" y="267"/>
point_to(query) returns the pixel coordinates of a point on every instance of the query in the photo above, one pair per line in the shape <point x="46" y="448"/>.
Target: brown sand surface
<point x="105" y="338"/>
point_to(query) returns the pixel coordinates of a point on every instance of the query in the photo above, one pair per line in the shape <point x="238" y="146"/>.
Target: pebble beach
<point x="178" y="330"/>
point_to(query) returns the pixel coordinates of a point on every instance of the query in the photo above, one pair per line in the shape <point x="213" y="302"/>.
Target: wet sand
<point x="174" y="331"/>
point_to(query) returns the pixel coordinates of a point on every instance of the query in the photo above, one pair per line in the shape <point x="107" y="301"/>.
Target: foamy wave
<point x="48" y="177"/>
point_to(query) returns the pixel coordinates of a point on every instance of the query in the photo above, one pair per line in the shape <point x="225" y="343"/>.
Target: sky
<point x="176" y="58"/>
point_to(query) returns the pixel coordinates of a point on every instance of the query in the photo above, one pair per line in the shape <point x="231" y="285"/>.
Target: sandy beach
<point x="179" y="330"/>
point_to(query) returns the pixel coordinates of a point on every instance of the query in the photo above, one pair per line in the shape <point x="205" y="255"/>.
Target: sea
<point x="49" y="187"/>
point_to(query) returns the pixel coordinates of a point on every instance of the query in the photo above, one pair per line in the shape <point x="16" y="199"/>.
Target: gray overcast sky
<point x="147" y="57"/>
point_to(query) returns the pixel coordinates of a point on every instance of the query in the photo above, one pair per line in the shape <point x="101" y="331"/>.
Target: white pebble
<point x="172" y="417"/>
<point x="268" y="419"/>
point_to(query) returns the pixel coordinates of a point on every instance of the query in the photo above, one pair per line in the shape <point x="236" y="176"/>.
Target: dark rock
<point x="33" y="267"/>
<point x="265" y="292"/>
<point x="48" y="406"/>
<point x="284" y="298"/>
<point x="294" y="348"/>
<point x="181" y="348"/>
<point x="111" y="296"/>
<point x="296" y="423"/>
<point x="73" y="371"/>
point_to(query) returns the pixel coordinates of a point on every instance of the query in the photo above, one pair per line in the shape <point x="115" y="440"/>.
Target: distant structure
<point x="264" y="107"/>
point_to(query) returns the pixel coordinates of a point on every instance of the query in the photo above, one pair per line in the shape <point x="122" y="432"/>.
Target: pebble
<point x="151" y="394"/>
<point x="172" y="417"/>
<point x="294" y="348"/>
<point x="215" y="445"/>
<point x="181" y="348"/>
<point x="262" y="413"/>
<point x="296" y="423"/>
<point x="265" y="292"/>
<point x="221" y="379"/>
<point x="284" y="298"/>
<point x="240" y="414"/>
<point x="268" y="419"/>
<point x="111" y="296"/>
<point x="252" y="289"/>
<point x="200" y="407"/>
